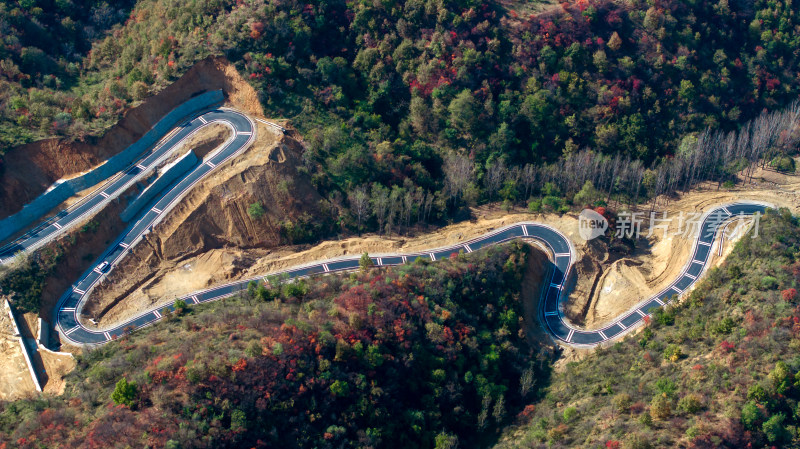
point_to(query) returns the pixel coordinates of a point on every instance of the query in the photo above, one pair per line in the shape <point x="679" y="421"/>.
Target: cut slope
<point x="28" y="170"/>
<point x="179" y="255"/>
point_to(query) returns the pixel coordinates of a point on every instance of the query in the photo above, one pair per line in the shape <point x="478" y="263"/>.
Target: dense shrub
<point x="735" y="382"/>
<point x="423" y="354"/>
<point x="409" y="85"/>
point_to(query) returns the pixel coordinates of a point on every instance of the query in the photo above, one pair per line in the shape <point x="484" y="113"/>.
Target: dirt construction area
<point x="162" y="269"/>
<point x="15" y="379"/>
<point x="211" y="238"/>
<point x="605" y="285"/>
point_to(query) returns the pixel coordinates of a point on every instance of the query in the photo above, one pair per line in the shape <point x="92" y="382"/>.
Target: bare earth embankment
<point x="30" y="169"/>
<point x="209" y="238"/>
<point x="605" y="286"/>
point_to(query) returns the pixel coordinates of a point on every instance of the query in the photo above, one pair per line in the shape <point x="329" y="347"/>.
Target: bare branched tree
<point x="458" y="173"/>
<point x="359" y="203"/>
<point x="495" y="175"/>
<point x="380" y="204"/>
<point x="528" y="177"/>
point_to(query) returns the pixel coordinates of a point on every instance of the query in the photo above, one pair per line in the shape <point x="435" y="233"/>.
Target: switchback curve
<point x="562" y="252"/>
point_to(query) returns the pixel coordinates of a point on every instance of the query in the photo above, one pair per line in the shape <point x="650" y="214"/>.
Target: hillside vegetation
<point x="422" y="107"/>
<point x="44" y="43"/>
<point x="719" y="370"/>
<point x="423" y="355"/>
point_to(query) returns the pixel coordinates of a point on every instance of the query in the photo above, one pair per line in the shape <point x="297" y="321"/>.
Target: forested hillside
<point x="452" y="103"/>
<point x="719" y="370"/>
<point x="423" y="355"/>
<point x="44" y="44"/>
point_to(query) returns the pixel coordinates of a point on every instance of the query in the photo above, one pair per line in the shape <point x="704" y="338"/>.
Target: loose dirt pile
<point x="206" y="140"/>
<point x="56" y="366"/>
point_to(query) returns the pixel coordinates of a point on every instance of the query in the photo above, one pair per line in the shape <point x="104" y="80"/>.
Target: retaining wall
<point x="169" y="174"/>
<point x="65" y="189"/>
<point x="25" y="349"/>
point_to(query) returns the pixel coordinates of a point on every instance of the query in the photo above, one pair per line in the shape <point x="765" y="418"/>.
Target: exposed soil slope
<point x="536" y="277"/>
<point x="179" y="255"/>
<point x="212" y="242"/>
<point x="15" y="379"/>
<point x="604" y="290"/>
<point x="30" y="169"/>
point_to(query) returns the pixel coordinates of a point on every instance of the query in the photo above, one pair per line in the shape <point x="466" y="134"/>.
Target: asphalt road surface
<point x="561" y="250"/>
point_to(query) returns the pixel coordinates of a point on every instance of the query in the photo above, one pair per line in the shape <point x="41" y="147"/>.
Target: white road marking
<point x="405" y="260"/>
<point x="202" y="119"/>
<point x="433" y="257"/>
<point x="704" y="243"/>
<point x="677" y="289"/>
<point x="325" y="267"/>
<point x="380" y="261"/>
<point x="244" y="133"/>
<point x="603" y="335"/>
<point x="271" y="124"/>
<point x="196" y="301"/>
<point x="698" y="262"/>
<point x="640" y="313"/>
<point x="622" y="325"/>
<point x="210" y="164"/>
<point x="556" y="286"/>
<point x="727" y="211"/>
<point x="156" y="210"/>
<point x="466" y="247"/>
<point x="106" y="195"/>
<point x="571" y="333"/>
<point x="525" y="230"/>
<point x="562" y="254"/>
<point x="658" y="300"/>
<point x="690" y="276"/>
<point x="550" y="313"/>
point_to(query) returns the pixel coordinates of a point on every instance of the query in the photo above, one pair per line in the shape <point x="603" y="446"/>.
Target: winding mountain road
<point x="562" y="251"/>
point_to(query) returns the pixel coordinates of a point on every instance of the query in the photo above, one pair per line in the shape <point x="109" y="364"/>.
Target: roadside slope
<point x="28" y="170"/>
